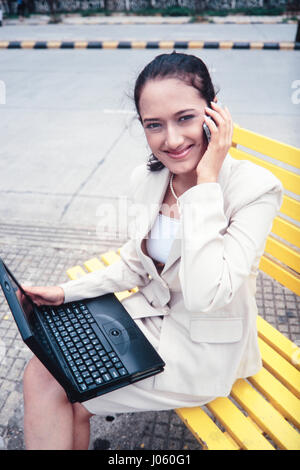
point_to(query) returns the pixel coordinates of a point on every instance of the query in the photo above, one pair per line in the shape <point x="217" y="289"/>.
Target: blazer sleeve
<point x="124" y="274"/>
<point x="217" y="256"/>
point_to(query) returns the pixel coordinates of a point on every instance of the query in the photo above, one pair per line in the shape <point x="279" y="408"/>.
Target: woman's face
<point x="172" y="114"/>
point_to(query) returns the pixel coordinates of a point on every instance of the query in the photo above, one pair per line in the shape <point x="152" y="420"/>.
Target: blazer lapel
<point x="150" y="197"/>
<point x="174" y="254"/>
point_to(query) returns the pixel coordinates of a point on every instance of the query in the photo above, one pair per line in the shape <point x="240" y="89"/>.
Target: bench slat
<point x="110" y="257"/>
<point x="266" y="416"/>
<point x="290" y="207"/>
<point x="238" y="426"/>
<point x="280" y="367"/>
<point x="122" y="295"/>
<point x="284" y="346"/>
<point x="286" y="230"/>
<point x="204" y="429"/>
<point x="271" y="147"/>
<point x="280" y="397"/>
<point x="290" y="180"/>
<point x="93" y="264"/>
<point x="283" y="253"/>
<point x="282" y="274"/>
<point x="75" y="272"/>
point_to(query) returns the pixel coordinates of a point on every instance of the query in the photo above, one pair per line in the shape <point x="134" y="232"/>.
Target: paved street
<point x="69" y="141"/>
<point x="208" y="32"/>
<point x="70" y="138"/>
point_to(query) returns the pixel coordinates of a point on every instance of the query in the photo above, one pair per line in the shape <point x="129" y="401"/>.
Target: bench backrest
<point x="281" y="259"/>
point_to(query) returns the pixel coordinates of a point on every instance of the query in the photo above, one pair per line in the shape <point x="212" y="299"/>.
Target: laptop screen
<point x="22" y="298"/>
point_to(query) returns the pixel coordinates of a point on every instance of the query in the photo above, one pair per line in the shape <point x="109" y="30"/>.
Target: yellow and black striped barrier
<point x="149" y="45"/>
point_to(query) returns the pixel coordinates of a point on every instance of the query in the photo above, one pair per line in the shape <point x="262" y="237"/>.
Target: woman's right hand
<point x="221" y="129"/>
<point x="48" y="295"/>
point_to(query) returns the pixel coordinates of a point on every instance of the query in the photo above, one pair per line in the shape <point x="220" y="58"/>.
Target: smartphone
<point x="207" y="131"/>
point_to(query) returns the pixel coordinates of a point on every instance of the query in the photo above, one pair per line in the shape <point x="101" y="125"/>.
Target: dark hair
<point x="186" y="67"/>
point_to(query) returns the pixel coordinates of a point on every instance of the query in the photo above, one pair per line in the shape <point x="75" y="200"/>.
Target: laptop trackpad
<point x="117" y="333"/>
<point x="114" y="321"/>
<point x="119" y="336"/>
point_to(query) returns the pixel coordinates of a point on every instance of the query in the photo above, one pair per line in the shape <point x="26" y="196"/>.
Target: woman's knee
<point x="81" y="413"/>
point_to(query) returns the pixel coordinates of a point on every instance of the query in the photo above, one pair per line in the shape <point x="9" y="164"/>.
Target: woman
<point x="194" y="257"/>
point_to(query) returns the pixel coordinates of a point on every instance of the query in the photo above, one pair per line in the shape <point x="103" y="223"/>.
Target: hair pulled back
<point x="189" y="68"/>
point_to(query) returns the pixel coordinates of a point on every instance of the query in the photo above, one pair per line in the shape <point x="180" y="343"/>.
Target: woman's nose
<point x="173" y="138"/>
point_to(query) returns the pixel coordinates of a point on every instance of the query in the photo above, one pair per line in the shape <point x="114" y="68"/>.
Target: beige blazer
<point x="206" y="291"/>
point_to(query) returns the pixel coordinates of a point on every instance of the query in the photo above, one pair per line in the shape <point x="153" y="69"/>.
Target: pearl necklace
<point x="173" y="192"/>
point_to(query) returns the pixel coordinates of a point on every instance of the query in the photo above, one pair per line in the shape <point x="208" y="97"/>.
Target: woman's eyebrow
<point x="150" y="119"/>
<point x="184" y="111"/>
<point x="176" y="114"/>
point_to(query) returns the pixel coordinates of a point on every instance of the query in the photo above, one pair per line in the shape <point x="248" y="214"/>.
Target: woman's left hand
<point x="221" y="129"/>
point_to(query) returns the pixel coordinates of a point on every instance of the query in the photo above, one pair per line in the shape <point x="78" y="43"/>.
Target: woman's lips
<point x="183" y="153"/>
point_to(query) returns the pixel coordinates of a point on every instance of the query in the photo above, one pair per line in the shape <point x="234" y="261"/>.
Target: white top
<point x="161" y="237"/>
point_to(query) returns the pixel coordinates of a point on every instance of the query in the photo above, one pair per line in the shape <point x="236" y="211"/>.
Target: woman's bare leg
<point x="49" y="417"/>
<point x="81" y="427"/>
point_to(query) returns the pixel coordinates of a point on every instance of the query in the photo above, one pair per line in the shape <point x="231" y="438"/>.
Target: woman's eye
<point x="186" y="118"/>
<point x="153" y="125"/>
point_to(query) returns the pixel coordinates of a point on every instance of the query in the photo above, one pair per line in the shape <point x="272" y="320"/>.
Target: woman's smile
<point x="181" y="153"/>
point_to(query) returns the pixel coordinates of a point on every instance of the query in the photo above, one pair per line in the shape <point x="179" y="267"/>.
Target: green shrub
<point x="97" y="11"/>
<point x="254" y="11"/>
<point x="176" y="11"/>
<point x="257" y="11"/>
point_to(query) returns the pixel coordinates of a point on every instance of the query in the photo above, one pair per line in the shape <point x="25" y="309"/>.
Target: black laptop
<point x="91" y="347"/>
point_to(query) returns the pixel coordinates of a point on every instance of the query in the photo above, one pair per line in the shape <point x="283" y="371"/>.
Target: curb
<point x="148" y="45"/>
<point x="143" y="23"/>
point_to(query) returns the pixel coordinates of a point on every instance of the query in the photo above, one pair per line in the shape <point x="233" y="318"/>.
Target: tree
<point x="52" y="4"/>
<point x="200" y="5"/>
<point x="297" y="38"/>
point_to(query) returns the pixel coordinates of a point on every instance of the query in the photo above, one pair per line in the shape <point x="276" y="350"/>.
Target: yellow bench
<point x="262" y="412"/>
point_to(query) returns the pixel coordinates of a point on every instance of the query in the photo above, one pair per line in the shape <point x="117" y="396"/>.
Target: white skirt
<point x="141" y="396"/>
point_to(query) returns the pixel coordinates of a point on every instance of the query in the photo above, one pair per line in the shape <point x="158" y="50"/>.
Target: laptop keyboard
<point x="89" y="355"/>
